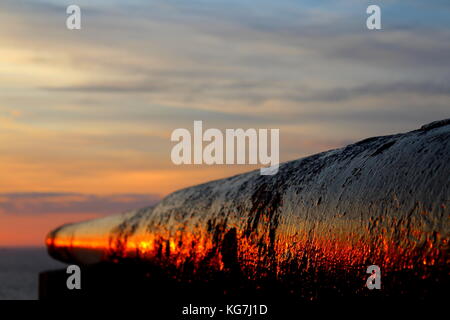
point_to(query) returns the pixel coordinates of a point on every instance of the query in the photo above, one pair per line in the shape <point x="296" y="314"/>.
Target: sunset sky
<point x="86" y="116"/>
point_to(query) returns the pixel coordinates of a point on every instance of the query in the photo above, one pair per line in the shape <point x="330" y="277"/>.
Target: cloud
<point x="36" y="203"/>
<point x="402" y="49"/>
<point x="378" y="89"/>
<point x="236" y="54"/>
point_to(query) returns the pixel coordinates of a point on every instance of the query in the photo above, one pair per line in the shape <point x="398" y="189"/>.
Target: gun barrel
<point x="381" y="201"/>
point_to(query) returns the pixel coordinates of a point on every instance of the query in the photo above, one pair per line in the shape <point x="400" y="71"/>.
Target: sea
<point x="19" y="272"/>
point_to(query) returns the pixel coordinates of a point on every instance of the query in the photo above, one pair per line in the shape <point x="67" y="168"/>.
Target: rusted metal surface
<point x="383" y="201"/>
